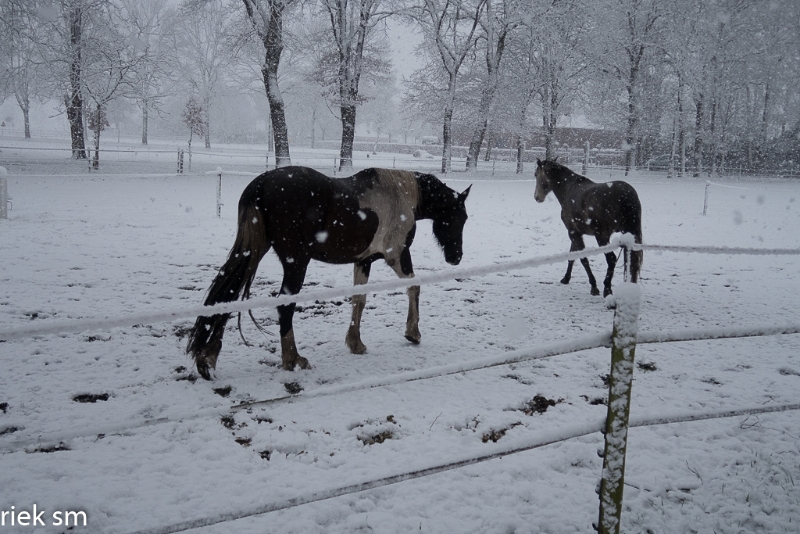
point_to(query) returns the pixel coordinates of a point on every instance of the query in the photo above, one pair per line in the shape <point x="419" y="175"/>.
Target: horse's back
<point x="612" y="207"/>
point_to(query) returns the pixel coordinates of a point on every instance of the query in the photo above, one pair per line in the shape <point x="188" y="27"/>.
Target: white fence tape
<point x="81" y="325"/>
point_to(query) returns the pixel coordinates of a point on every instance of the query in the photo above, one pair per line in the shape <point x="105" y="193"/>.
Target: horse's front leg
<point x="611" y="259"/>
<point x="412" y="320"/>
<point x="353" y="338"/>
<point x="405" y="269"/>
<point x="293" y="275"/>
<point x="577" y="244"/>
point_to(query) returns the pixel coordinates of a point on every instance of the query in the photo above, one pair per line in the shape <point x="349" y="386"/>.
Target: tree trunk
<point x="144" y="122"/>
<point x="698" y="136"/>
<point x="348" y="111"/>
<point x="447" y="141"/>
<point x="521" y="141"/>
<point x="96" y="160"/>
<point x="26" y="121"/>
<point x="74" y="101"/>
<point x="207" y="111"/>
<point x="272" y="39"/>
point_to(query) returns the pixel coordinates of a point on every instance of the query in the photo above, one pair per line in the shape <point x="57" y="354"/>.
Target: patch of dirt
<point x="265" y="454"/>
<point x="496" y="434"/>
<point x="244" y="442"/>
<point x="181" y="331"/>
<point x="4" y="406"/>
<point x="228" y="421"/>
<point x="223" y="391"/>
<point x="91" y="397"/>
<point x="293" y="387"/>
<point x="380" y="437"/>
<point x="53" y="448"/>
<point x="647" y="366"/>
<point x="538" y="404"/>
<point x="8" y="430"/>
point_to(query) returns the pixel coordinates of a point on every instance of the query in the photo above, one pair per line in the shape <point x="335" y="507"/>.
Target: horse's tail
<point x="232" y="281"/>
<point x="634" y="227"/>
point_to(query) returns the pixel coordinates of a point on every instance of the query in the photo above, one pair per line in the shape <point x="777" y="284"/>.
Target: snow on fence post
<point x="623" y="349"/>
<point x="3" y="195"/>
<point x="219" y="192"/>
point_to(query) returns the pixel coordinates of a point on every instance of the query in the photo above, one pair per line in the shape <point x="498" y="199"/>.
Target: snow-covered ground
<point x="135" y="238"/>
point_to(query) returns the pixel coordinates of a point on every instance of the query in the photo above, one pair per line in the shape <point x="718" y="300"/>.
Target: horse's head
<point x="543" y="186"/>
<point x="448" y="210"/>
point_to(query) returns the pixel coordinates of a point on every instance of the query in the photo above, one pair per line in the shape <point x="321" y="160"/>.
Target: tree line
<point x="710" y="83"/>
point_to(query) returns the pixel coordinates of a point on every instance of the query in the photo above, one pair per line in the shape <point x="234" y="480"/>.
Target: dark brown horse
<point x="588" y="208"/>
<point x="304" y="215"/>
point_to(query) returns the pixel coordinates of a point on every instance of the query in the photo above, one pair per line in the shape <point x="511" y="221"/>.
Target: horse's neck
<point x="429" y="190"/>
<point x="567" y="182"/>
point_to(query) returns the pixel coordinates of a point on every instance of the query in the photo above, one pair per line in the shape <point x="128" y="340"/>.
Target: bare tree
<point x="497" y="22"/>
<point x="109" y="61"/>
<point x="150" y="23"/>
<point x="626" y="31"/>
<point x="21" y="67"/>
<point x="203" y="46"/>
<point x="449" y="28"/>
<point x="266" y="17"/>
<point x="353" y="24"/>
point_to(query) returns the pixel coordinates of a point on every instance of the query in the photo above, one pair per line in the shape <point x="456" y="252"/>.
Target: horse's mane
<point x="556" y="170"/>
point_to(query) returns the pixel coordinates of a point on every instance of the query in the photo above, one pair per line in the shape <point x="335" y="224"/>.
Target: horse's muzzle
<point x="454" y="261"/>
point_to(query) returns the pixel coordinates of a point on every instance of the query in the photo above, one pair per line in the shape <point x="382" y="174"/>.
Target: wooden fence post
<point x="219" y="193"/>
<point x="623" y="349"/>
<point x="3" y="196"/>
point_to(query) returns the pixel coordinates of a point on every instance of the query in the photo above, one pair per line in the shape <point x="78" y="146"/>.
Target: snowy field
<point x="136" y="238"/>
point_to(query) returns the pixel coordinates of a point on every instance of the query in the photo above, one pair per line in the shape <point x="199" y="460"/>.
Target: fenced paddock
<point x="93" y="246"/>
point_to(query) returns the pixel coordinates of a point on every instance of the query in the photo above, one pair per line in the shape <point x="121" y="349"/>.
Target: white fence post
<point x="3" y="197"/>
<point x="623" y="349"/>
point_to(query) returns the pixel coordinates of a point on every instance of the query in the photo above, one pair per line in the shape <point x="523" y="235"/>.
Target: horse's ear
<point x="555" y="159"/>
<point x="539" y="162"/>
<point x="463" y="196"/>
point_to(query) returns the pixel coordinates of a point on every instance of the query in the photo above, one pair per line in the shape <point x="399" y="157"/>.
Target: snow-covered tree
<point x="203" y="47"/>
<point x="149" y="24"/>
<point x="449" y="29"/>
<point x="266" y="18"/>
<point x="353" y="32"/>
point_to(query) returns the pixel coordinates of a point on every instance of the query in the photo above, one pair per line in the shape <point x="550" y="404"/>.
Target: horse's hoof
<point x="299" y="361"/>
<point x="565" y="281"/>
<point x="414" y="340"/>
<point x="204" y="370"/>
<point x="595" y="291"/>
<point x="359" y="348"/>
<point x="606" y="292"/>
<point x="354" y="343"/>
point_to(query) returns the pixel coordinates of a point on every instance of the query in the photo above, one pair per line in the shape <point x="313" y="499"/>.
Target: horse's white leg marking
<point x="353" y="338"/>
<point x="412" y="322"/>
<point x="289" y="354"/>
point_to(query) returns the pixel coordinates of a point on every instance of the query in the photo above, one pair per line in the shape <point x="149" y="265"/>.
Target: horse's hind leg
<point x="611" y="259"/>
<point x="353" y="338"/>
<point x="293" y="276"/>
